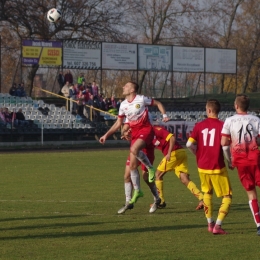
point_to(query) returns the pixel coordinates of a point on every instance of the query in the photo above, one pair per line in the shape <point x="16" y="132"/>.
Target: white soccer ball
<point x="54" y="15"/>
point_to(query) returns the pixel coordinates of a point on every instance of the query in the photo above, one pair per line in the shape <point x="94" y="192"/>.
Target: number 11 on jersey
<point x="206" y="133"/>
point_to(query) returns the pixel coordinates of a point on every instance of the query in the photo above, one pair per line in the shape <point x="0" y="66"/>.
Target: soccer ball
<point x="54" y="15"/>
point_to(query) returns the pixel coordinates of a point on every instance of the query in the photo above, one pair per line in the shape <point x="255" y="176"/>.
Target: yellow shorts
<point x="219" y="182"/>
<point x="178" y="163"/>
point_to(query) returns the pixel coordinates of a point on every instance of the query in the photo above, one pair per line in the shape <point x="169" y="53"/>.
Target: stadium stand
<point x="55" y="122"/>
<point x="58" y="124"/>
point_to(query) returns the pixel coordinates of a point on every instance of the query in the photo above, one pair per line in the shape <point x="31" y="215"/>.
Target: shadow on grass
<point x="54" y="225"/>
<point x="104" y="232"/>
<point x="43" y="217"/>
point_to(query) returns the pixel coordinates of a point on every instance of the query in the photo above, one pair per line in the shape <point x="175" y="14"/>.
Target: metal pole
<point x="0" y="64"/>
<point x="42" y="134"/>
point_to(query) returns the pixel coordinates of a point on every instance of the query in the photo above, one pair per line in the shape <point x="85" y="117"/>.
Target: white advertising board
<point x="154" y="57"/>
<point x="119" y="56"/>
<point x="81" y="54"/>
<point x="221" y="61"/>
<point x="188" y="59"/>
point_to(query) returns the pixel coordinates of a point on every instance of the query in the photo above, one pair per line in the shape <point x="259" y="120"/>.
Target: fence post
<point x="42" y="134"/>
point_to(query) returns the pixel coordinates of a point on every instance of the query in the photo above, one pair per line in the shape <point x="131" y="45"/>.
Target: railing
<point x="91" y="108"/>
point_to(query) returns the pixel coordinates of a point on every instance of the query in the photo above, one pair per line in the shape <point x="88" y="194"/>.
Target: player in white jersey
<point x="241" y="132"/>
<point x="134" y="109"/>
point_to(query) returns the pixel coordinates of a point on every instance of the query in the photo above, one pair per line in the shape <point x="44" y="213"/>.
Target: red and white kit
<point x="136" y="114"/>
<point x="243" y="130"/>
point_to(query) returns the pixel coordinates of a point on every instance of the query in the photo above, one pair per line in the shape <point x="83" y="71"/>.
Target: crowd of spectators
<point x="12" y="118"/>
<point x="82" y="93"/>
<point x="17" y="90"/>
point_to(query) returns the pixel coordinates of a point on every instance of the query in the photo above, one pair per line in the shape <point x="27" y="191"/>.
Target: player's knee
<point x="127" y="178"/>
<point x="134" y="151"/>
<point x="184" y="178"/>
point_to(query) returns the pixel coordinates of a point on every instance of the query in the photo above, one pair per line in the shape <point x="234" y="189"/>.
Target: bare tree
<point x="92" y="19"/>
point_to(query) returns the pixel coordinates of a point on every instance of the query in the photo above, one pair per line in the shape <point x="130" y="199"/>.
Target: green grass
<point x="64" y="206"/>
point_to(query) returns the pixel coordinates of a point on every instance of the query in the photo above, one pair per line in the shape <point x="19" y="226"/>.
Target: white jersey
<point x="243" y="129"/>
<point x="136" y="112"/>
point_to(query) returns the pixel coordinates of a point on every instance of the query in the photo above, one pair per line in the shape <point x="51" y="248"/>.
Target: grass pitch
<point x="63" y="205"/>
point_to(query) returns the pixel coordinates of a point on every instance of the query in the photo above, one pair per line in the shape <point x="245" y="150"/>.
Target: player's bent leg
<point x="159" y="186"/>
<point x="184" y="177"/>
<point x="141" y="156"/>
<point x="154" y="191"/>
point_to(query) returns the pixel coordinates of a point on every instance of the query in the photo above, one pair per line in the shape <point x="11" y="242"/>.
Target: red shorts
<point x="146" y="134"/>
<point x="249" y="176"/>
<point x="149" y="151"/>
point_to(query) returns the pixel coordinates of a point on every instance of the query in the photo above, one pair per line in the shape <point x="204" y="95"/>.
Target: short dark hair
<point x="214" y="105"/>
<point x="134" y="85"/>
<point x="242" y="101"/>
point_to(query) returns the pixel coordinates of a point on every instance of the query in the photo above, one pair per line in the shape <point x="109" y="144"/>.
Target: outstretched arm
<point x="113" y="129"/>
<point x="161" y="109"/>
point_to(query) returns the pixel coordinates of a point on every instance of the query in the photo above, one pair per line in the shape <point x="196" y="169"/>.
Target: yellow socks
<point x="223" y="210"/>
<point x="194" y="190"/>
<point x="208" y="209"/>
<point x="159" y="186"/>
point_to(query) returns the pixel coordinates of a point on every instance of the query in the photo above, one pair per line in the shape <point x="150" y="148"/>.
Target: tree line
<point x="203" y="23"/>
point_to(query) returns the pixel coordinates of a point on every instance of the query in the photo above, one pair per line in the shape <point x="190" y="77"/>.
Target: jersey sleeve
<point x="226" y="128"/>
<point x="194" y="135"/>
<point x="121" y="113"/>
<point x="148" y="101"/>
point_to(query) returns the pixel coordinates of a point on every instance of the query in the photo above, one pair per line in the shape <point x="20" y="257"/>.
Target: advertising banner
<point x="221" y="61"/>
<point x="119" y="56"/>
<point x="154" y="57"/>
<point x="181" y="129"/>
<point x="188" y="59"/>
<point x="46" y="53"/>
<point x="81" y="54"/>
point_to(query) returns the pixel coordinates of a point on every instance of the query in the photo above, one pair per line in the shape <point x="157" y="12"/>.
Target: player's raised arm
<point x="112" y="130"/>
<point x="161" y="109"/>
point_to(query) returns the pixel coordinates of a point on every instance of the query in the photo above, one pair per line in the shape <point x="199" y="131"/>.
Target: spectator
<point x="80" y="103"/>
<point x="61" y="81"/>
<point x="20" y="91"/>
<point x="81" y="79"/>
<point x="68" y="77"/>
<point x="73" y="92"/>
<point x="65" y="90"/>
<point x="20" y="118"/>
<point x="94" y="89"/>
<point x="103" y="104"/>
<point x="113" y="102"/>
<point x="23" y="90"/>
<point x="86" y="94"/>
<point x="2" y="117"/>
<point x="89" y="87"/>
<point x="93" y="102"/>
<point x="118" y="104"/>
<point x="13" y="90"/>
<point x="7" y="115"/>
